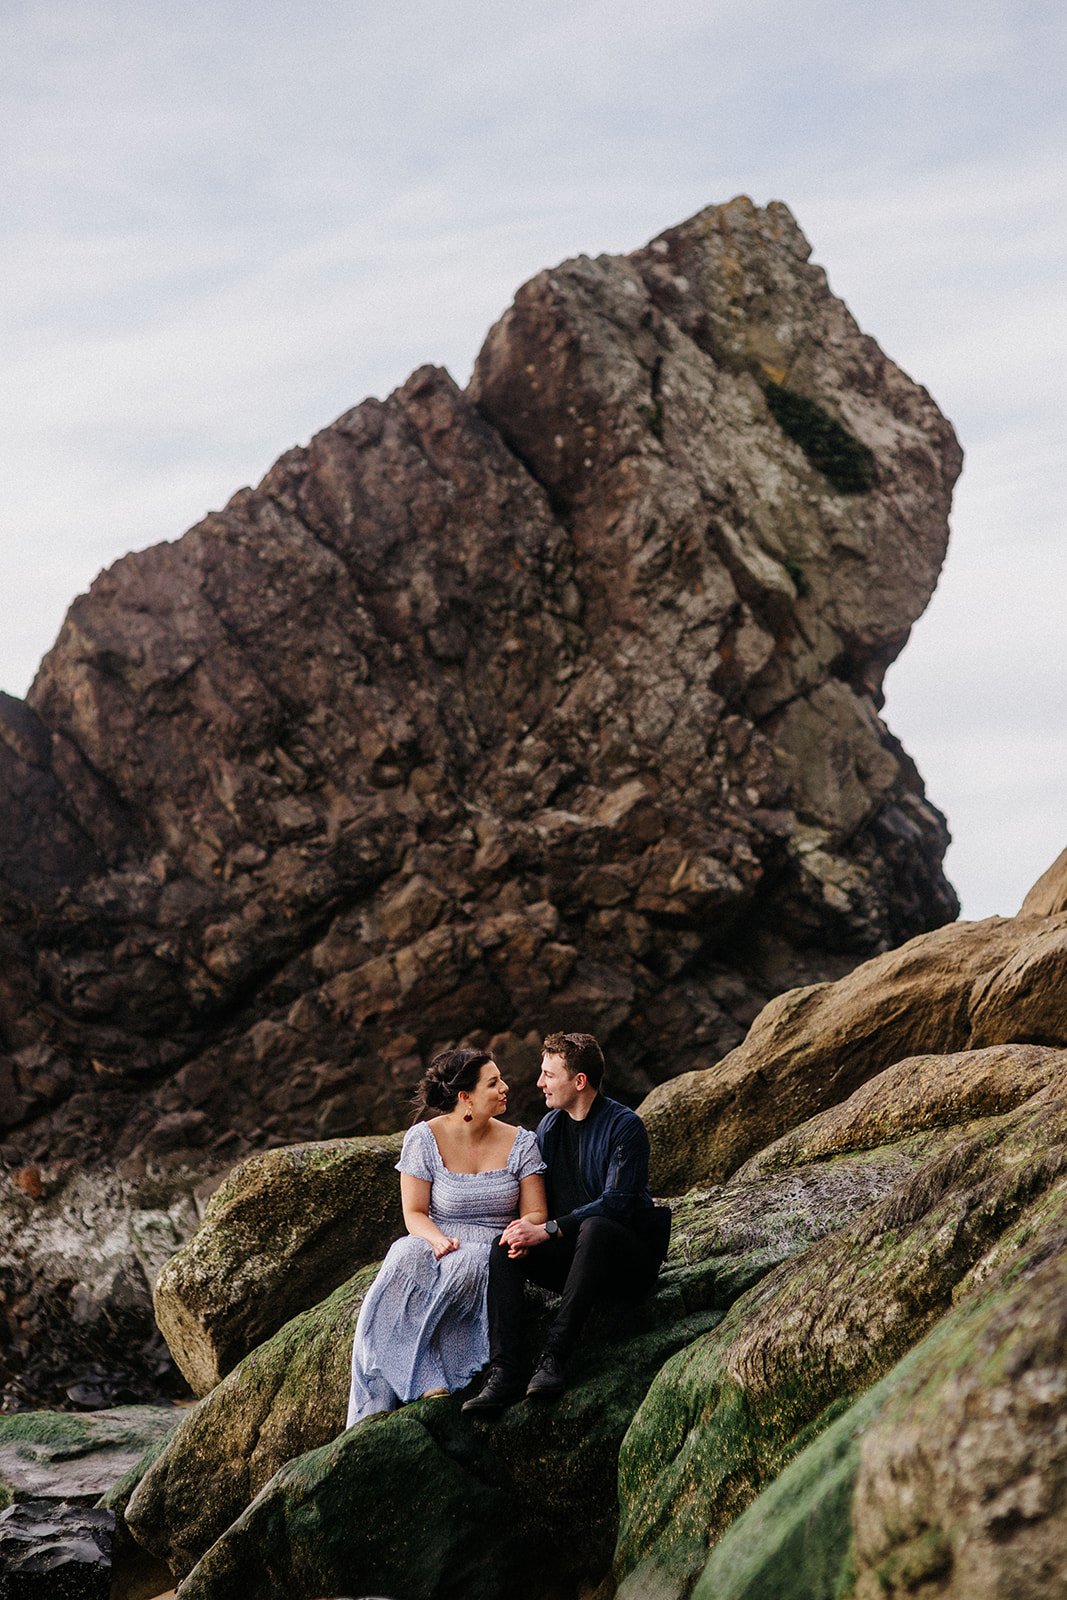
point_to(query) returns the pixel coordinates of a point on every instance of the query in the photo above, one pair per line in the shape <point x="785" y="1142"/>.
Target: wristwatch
<point x="552" y="1228"/>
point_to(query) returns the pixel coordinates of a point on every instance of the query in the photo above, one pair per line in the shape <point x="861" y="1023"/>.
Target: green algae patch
<point x="795" y="1540"/>
<point x="60" y="1432"/>
<point x="57" y="1455"/>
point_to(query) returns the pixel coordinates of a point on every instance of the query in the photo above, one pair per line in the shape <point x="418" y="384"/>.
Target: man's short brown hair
<point x="580" y="1053"/>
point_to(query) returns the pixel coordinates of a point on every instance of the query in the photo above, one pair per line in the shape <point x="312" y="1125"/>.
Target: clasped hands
<point x="519" y="1235"/>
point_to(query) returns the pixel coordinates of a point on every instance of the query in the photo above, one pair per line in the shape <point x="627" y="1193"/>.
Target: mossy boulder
<point x="285" y="1229"/>
<point x="726" y="1238"/>
<point x="724" y="1416"/>
<point x="949" y="1476"/>
<point x="60" y="1455"/>
<point x="962" y="987"/>
<point x="916" y="1095"/>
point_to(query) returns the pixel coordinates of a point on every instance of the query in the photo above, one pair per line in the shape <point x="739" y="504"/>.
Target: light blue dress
<point x="424" y="1324"/>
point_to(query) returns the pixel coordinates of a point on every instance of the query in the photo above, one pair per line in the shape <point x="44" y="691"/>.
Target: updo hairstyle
<point x="446" y="1075"/>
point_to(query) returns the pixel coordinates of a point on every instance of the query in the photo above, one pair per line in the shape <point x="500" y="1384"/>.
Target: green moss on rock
<point x="286" y="1228"/>
<point x="57" y="1455"/>
<point x="287" y="1397"/>
<point x="797" y="1541"/>
<point x="60" y="1432"/>
<point x="831" y="448"/>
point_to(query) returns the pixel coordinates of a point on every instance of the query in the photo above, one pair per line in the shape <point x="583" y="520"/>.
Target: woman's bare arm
<point x="415" y="1199"/>
<point x="533" y="1202"/>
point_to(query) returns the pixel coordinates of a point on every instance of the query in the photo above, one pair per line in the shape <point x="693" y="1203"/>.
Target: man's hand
<point x="520" y="1235"/>
<point x="443" y="1247"/>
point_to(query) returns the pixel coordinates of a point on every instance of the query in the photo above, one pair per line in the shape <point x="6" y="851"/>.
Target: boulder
<point x="919" y="1093"/>
<point x="962" y="1475"/>
<point x="286" y="1398"/>
<point x="969" y="985"/>
<point x="947" y="1478"/>
<point x="285" y="1229"/>
<point x="1049" y="893"/>
<point x="722" y="1418"/>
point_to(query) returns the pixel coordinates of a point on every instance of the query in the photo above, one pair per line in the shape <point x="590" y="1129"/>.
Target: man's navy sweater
<point x="613" y="1163"/>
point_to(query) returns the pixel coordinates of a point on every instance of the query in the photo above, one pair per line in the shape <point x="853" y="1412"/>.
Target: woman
<point x="464" y="1175"/>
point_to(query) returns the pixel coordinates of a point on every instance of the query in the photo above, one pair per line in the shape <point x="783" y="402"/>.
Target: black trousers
<point x="604" y="1261"/>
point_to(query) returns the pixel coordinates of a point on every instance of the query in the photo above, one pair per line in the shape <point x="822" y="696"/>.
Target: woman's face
<point x="489" y="1097"/>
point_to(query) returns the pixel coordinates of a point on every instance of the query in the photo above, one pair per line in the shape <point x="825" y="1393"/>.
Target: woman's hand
<point x="443" y="1246"/>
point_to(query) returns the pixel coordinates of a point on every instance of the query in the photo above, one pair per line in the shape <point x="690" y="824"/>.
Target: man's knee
<point x="612" y="1252"/>
<point x="597" y="1233"/>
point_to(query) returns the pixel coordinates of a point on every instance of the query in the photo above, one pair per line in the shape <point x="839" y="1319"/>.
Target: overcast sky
<point x="227" y="223"/>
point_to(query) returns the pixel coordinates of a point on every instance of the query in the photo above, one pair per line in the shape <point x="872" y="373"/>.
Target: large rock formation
<point x="551" y="702"/>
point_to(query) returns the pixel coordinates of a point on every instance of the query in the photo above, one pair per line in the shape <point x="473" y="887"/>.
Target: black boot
<point x="502" y="1388"/>
<point x="548" y="1381"/>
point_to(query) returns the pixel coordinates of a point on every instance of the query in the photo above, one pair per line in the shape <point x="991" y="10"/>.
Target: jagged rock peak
<point x="554" y="702"/>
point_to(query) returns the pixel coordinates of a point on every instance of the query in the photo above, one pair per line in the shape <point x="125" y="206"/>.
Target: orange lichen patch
<point x="30" y="1181"/>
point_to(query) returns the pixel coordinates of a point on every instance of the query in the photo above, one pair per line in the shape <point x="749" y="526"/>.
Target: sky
<point x="225" y="224"/>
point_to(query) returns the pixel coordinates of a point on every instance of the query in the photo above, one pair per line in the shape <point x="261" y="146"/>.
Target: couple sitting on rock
<point x="488" y="1206"/>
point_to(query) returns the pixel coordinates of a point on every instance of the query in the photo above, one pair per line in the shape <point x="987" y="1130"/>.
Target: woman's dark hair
<point x="446" y="1075"/>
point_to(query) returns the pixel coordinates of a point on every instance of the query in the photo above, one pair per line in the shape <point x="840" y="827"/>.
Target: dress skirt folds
<point x="423" y="1324"/>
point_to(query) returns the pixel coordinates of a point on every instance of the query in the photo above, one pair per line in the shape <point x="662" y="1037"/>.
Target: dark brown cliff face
<point x="551" y="703"/>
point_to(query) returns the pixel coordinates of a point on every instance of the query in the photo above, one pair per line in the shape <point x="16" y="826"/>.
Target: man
<point x="604" y="1238"/>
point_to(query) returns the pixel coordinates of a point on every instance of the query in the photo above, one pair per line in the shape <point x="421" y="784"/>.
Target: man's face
<point x="560" y="1090"/>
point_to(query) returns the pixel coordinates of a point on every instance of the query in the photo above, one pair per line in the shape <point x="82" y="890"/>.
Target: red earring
<point x="468" y="1115"/>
